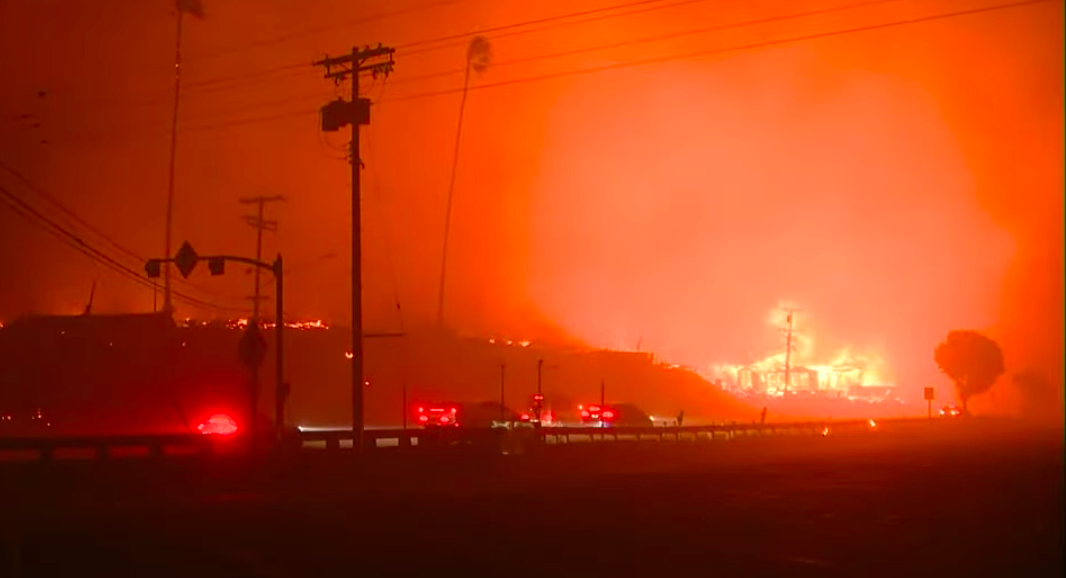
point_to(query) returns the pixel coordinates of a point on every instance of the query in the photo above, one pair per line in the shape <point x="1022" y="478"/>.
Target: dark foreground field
<point x="973" y="499"/>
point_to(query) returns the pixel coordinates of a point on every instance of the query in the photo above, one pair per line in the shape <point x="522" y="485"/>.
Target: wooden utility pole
<point x="259" y="224"/>
<point x="337" y="114"/>
<point x="255" y="323"/>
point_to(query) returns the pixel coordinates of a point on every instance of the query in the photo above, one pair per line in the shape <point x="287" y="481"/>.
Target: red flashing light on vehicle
<point x="525" y="417"/>
<point x="218" y="424"/>
<point x="423" y="418"/>
<point x="445" y="419"/>
<point x="597" y="414"/>
<point x="538" y="397"/>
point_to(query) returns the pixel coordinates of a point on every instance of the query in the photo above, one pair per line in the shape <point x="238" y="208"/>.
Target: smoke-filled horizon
<point x="893" y="183"/>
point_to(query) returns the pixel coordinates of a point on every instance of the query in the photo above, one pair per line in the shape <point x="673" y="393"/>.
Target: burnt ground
<point x="974" y="499"/>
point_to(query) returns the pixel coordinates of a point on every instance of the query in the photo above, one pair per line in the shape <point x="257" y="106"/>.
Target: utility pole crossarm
<point x="357" y="57"/>
<point x="355" y="63"/>
<point x="260" y="224"/>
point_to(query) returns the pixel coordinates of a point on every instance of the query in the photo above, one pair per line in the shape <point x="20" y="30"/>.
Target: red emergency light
<point x="218" y="424"/>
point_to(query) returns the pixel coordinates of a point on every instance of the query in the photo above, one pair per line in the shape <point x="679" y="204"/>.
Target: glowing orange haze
<point x="894" y="184"/>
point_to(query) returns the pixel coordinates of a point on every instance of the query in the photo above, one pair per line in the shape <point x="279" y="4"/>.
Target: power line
<point x="75" y="242"/>
<point x="400" y="48"/>
<point x="596" y="14"/>
<point x="161" y="96"/>
<point x="69" y="213"/>
<point x="582" y="50"/>
<point x="697" y="54"/>
<point x="35" y="217"/>
<point x="621" y="65"/>
<point x="253" y="120"/>
<point x="658" y="38"/>
<point x="52" y="228"/>
<point x="321" y="29"/>
<point x="572" y="52"/>
<point x="647" y="61"/>
<point x="739" y="48"/>
<point x="39" y="190"/>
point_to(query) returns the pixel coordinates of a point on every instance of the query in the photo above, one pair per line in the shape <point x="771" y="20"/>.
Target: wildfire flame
<point x="837" y="375"/>
<point x="243" y="322"/>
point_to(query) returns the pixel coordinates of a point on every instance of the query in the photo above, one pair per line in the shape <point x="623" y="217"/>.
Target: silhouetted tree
<point x="973" y="361"/>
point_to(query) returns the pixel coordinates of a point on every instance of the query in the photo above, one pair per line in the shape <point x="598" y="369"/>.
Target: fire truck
<point x="486" y="414"/>
<point x="618" y="415"/>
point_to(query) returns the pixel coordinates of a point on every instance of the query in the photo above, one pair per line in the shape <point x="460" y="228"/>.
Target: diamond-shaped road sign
<point x="186" y="259"/>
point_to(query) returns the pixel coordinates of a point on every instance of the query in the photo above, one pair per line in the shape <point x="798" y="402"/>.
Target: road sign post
<point x="252" y="350"/>
<point x="929" y="396"/>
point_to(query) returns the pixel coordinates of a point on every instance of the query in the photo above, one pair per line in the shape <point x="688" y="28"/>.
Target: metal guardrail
<point x="101" y="447"/>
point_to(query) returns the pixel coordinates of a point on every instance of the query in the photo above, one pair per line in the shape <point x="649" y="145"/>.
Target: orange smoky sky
<point x="895" y="182"/>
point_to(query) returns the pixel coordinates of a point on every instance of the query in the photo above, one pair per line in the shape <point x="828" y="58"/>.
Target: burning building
<point x="797" y="371"/>
<point x="774" y="378"/>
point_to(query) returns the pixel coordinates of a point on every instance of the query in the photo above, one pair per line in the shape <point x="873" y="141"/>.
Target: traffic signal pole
<point x="186" y="260"/>
<point x="355" y="113"/>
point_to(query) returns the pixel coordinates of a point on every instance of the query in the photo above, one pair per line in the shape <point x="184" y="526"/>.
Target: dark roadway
<point x="967" y="500"/>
